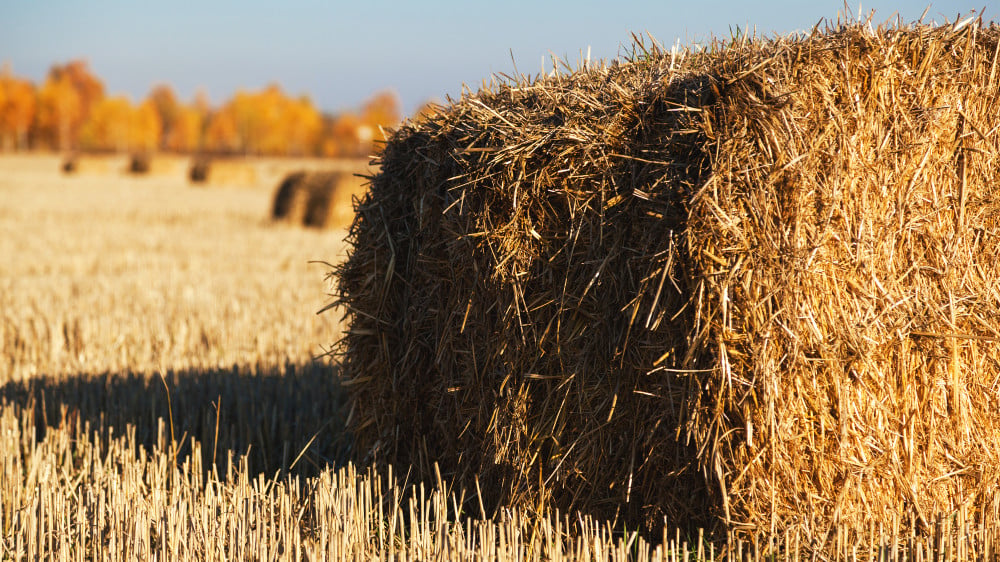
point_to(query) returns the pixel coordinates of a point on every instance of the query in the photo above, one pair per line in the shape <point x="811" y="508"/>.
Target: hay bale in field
<point x="223" y="171"/>
<point x="87" y="164"/>
<point x="140" y="164"/>
<point x="752" y="286"/>
<point x="198" y="172"/>
<point x="331" y="201"/>
<point x="291" y="199"/>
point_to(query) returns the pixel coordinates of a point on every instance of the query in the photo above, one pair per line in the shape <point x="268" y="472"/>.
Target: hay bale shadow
<point x="267" y="413"/>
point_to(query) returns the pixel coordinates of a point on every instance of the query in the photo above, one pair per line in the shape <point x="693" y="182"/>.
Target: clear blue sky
<point x="341" y="52"/>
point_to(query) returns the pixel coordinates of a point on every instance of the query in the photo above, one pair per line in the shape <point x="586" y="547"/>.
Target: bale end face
<point x="291" y="199"/>
<point x="331" y="201"/>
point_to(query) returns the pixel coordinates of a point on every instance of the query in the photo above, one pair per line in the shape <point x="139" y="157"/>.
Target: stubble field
<point x="163" y="393"/>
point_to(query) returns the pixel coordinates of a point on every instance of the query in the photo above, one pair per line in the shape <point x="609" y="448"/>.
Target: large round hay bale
<point x="752" y="286"/>
<point x="291" y="199"/>
<point x="331" y="203"/>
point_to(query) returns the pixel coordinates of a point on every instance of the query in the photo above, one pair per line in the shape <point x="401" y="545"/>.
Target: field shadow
<point x="287" y="418"/>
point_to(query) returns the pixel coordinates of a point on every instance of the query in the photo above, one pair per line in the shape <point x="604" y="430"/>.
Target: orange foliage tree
<point x="265" y="122"/>
<point x="167" y="108"/>
<point x="70" y="111"/>
<point x="350" y="135"/>
<point x="381" y="111"/>
<point x="64" y="103"/>
<point x="59" y="111"/>
<point x="185" y="131"/>
<point x="17" y="110"/>
<point x="116" y="125"/>
<point x="145" y="128"/>
<point x="342" y="137"/>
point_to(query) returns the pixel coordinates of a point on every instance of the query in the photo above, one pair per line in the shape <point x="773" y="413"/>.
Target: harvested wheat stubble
<point x="331" y="202"/>
<point x="752" y="286"/>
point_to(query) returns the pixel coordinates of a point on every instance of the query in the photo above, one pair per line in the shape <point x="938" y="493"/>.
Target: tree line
<point x="70" y="111"/>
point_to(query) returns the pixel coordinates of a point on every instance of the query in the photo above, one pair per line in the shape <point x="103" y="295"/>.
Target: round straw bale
<point x="331" y="204"/>
<point x="140" y="163"/>
<point x="752" y="287"/>
<point x="199" y="170"/>
<point x="70" y="164"/>
<point x="291" y="199"/>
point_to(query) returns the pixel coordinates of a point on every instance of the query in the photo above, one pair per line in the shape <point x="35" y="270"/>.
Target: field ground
<point x="149" y="327"/>
<point x="162" y="394"/>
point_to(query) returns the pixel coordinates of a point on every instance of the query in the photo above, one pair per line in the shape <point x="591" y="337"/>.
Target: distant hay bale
<point x="753" y="286"/>
<point x="222" y="171"/>
<point x="86" y="164"/>
<point x="199" y="170"/>
<point x="140" y="164"/>
<point x="331" y="201"/>
<point x="153" y="165"/>
<point x="291" y="199"/>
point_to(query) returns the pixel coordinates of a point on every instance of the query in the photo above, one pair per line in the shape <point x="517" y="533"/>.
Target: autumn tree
<point x="188" y="131"/>
<point x="167" y="108"/>
<point x="185" y="131"/>
<point x="17" y="110"/>
<point x="145" y="128"/>
<point x="381" y="112"/>
<point x="352" y="135"/>
<point x="107" y="129"/>
<point x="264" y="122"/>
<point x="65" y="102"/>
<point x="116" y="125"/>
<point x="343" y="136"/>
<point x="302" y="126"/>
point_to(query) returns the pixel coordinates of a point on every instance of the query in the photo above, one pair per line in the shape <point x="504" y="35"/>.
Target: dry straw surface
<point x="752" y="287"/>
